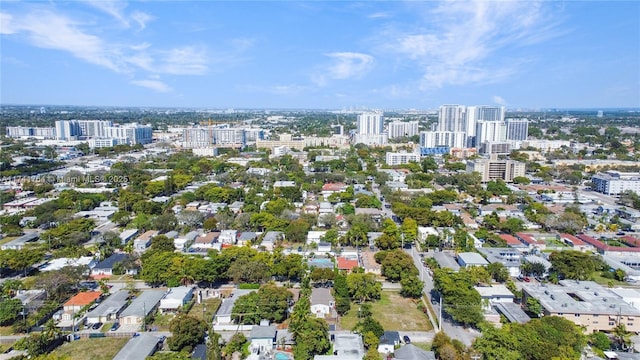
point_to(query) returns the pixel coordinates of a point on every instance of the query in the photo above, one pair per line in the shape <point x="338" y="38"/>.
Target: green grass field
<point x="94" y="349"/>
<point x="393" y="312"/>
<point x="211" y="306"/>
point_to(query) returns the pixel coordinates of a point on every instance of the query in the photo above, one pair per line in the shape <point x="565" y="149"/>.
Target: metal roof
<point x="138" y="347"/>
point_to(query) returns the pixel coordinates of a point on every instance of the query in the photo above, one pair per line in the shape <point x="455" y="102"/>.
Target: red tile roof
<point x="630" y="240"/>
<point x="333" y="187"/>
<point x="527" y="238"/>
<point x="347" y="264"/>
<point x="510" y="240"/>
<point x="572" y="239"/>
<point x="83" y="298"/>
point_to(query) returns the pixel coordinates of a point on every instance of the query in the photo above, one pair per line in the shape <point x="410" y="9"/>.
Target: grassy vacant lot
<point x="94" y="349"/>
<point x="5" y="330"/>
<point x="393" y="312"/>
<point x="211" y="306"/>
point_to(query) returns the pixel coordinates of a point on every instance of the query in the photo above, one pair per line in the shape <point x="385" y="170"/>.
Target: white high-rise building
<point x="94" y="128"/>
<point x="130" y="133"/>
<point x="481" y="113"/>
<point x="434" y="139"/>
<point x="401" y="158"/>
<point x="67" y="130"/>
<point x="517" y="129"/>
<point x="452" y="118"/>
<point x="370" y="123"/>
<point x="490" y="131"/>
<point x="370" y="129"/>
<point x="402" y="128"/>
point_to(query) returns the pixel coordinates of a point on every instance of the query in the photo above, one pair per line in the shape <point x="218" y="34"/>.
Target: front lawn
<point x="393" y="312"/>
<point x="94" y="349"/>
<point x="211" y="306"/>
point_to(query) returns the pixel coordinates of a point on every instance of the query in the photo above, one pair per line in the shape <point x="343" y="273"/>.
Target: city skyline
<point x="321" y="54"/>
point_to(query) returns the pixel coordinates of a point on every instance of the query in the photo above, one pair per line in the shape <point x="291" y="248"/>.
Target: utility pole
<point x="440" y="322"/>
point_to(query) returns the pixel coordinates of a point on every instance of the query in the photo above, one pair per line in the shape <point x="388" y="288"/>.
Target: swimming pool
<point x="282" y="356"/>
<point x="321" y="263"/>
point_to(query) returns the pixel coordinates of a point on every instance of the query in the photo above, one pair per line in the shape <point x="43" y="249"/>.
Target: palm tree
<point x="621" y="336"/>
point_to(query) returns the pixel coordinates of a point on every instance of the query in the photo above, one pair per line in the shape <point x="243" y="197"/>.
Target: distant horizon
<point x="532" y="54"/>
<point x="209" y="108"/>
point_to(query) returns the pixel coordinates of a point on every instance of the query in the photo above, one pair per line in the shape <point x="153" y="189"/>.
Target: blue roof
<point x="109" y="262"/>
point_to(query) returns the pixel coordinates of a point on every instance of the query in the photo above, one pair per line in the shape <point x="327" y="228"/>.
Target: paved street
<point x="454" y="331"/>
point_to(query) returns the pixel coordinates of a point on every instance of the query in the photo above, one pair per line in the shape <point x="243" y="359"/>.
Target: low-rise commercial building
<point x="584" y="303"/>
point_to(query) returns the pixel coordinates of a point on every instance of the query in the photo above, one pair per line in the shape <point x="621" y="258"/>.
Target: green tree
<point x="573" y="265"/>
<point x="498" y="272"/>
<point x="369" y="324"/>
<point x="9" y="311"/>
<point x="312" y="339"/>
<point x="600" y="341"/>
<point x="533" y="305"/>
<point x="186" y="332"/>
<point x="363" y="287"/>
<point x="412" y="287"/>
<point x="235" y="344"/>
<point x="398" y="264"/>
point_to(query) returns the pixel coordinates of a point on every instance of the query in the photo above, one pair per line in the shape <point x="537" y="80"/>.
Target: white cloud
<point x="5" y="24"/>
<point x="52" y="30"/>
<point x="116" y="9"/>
<point x="499" y="100"/>
<point x="460" y="42"/>
<point x="187" y="60"/>
<point x="379" y="15"/>
<point x="155" y="85"/>
<point x="344" y="65"/>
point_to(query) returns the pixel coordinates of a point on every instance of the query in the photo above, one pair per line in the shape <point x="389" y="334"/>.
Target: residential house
<point x="512" y="241"/>
<point x="185" y="241"/>
<point x="236" y="207"/>
<point x="223" y="315"/>
<point x="531" y="242"/>
<point x="388" y="342"/>
<point x="346" y="346"/>
<point x="347" y="263"/>
<point x="19" y="243"/>
<point x="77" y="302"/>
<point x="139" y="347"/>
<point x="144" y="241"/>
<point x="315" y="236"/>
<point x="271" y="238"/>
<point x="509" y="257"/>
<point x="228" y="237"/>
<point x="127" y="235"/>
<point x="322" y="302"/>
<point x="262" y="338"/>
<point x="176" y="298"/>
<point x="106" y="266"/>
<point x="470" y="259"/>
<point x="412" y="352"/>
<point x="575" y="242"/>
<point x="109" y="308"/>
<point x="494" y="294"/>
<point x="323" y="247"/>
<point x="145" y="304"/>
<point x="246" y="237"/>
<point x="206" y="241"/>
<point x="332" y="188"/>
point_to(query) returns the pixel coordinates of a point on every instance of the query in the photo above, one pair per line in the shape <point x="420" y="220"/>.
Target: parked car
<point x="96" y="326"/>
<point x="114" y="327"/>
<point x="406" y="339"/>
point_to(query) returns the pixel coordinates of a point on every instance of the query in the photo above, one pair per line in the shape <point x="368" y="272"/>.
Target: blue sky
<point x="337" y="54"/>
